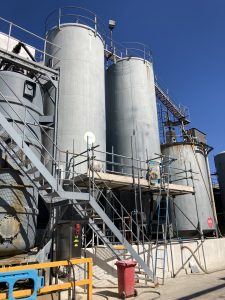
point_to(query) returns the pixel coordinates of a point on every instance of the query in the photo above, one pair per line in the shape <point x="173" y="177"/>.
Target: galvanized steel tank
<point x="220" y="169"/>
<point x="191" y="211"/>
<point x="81" y="108"/>
<point x="18" y="213"/>
<point x="25" y="104"/>
<point x="18" y="199"/>
<point x="131" y="109"/>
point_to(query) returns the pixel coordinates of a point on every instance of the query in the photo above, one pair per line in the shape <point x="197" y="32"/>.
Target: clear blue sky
<point x="187" y="38"/>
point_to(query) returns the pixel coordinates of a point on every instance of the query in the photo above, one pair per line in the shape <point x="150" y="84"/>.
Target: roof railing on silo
<point x="127" y="50"/>
<point x="76" y="15"/>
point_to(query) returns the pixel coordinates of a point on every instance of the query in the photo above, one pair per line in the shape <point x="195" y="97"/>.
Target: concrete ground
<point x="196" y="286"/>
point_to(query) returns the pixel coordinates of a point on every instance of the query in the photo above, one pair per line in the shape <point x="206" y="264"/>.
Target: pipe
<point x="204" y="270"/>
<point x="17" y="49"/>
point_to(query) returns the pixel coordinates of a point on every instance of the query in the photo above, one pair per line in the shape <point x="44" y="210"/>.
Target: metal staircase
<point x="17" y="146"/>
<point x="115" y="228"/>
<point x="168" y="103"/>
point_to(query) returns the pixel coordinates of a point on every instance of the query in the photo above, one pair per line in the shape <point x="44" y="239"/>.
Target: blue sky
<point x="187" y="38"/>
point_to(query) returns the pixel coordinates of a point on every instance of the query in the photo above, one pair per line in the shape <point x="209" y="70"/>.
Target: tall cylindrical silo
<point x="132" y="123"/>
<point x="81" y="107"/>
<point x="220" y="170"/>
<point x="20" y="101"/>
<point x="191" y="214"/>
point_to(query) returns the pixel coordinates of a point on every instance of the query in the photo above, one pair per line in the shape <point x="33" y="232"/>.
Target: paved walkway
<point x="196" y="286"/>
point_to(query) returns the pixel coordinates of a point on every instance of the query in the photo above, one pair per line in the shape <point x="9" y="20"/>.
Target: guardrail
<point x="52" y="287"/>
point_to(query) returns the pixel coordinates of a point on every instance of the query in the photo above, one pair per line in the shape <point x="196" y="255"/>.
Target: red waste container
<point x="126" y="274"/>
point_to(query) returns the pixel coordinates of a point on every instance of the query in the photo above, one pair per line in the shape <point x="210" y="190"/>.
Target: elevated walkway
<point x="121" y="182"/>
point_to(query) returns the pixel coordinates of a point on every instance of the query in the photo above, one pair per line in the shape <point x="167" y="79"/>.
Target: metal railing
<point x="121" y="50"/>
<point x="75" y="15"/>
<point x="14" y="33"/>
<point x="56" y="287"/>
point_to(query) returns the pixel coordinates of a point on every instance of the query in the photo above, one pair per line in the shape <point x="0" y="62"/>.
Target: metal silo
<point x="220" y="169"/>
<point x="20" y="101"/>
<point x="132" y="124"/>
<point x="191" y="214"/>
<point x="81" y="107"/>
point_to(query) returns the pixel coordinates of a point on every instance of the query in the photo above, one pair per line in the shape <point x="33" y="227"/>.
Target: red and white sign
<point x="210" y="222"/>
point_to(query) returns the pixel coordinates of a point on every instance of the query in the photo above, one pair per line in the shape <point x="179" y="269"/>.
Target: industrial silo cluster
<point x="113" y="107"/>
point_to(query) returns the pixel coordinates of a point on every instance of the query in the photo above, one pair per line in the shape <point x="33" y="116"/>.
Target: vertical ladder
<point x="162" y="232"/>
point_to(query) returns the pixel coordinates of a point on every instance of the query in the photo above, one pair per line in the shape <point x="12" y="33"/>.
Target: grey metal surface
<point x="36" y="163"/>
<point x="26" y="101"/>
<point x="20" y="98"/>
<point x="131" y="109"/>
<point x="60" y="193"/>
<point x="197" y="208"/>
<point x="29" y="65"/>
<point x="220" y="170"/>
<point x="18" y="213"/>
<point x="81" y="106"/>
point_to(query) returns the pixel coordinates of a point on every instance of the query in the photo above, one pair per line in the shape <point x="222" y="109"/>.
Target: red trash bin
<point x="126" y="277"/>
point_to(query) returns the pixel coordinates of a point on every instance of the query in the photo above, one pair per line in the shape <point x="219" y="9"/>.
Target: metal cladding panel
<point x="18" y="213"/>
<point x="82" y="88"/>
<point x="197" y="208"/>
<point x="22" y="93"/>
<point x="220" y="169"/>
<point x="131" y="109"/>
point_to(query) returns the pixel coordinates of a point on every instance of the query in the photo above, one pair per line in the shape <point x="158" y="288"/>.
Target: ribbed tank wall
<point x="18" y="200"/>
<point x="81" y="106"/>
<point x="220" y="169"/>
<point x="191" y="211"/>
<point x="131" y="109"/>
<point x="21" y="101"/>
<point x="18" y="213"/>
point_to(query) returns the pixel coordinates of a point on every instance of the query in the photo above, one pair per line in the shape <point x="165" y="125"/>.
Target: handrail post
<point x="95" y="20"/>
<point x="24" y="127"/>
<point x="90" y="274"/>
<point x="59" y="17"/>
<point x="9" y="35"/>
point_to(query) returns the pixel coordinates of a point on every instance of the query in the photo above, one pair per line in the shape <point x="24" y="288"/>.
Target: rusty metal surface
<point x="18" y="213"/>
<point x="191" y="212"/>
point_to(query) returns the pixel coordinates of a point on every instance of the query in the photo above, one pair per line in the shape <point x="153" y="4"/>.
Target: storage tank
<point x="191" y="212"/>
<point x="21" y="101"/>
<point x="220" y="170"/>
<point x="132" y="123"/>
<point x="81" y="107"/>
<point x="18" y="212"/>
<point x="18" y="198"/>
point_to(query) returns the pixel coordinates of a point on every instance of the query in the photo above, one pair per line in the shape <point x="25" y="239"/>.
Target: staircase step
<point x="52" y="195"/>
<point x="39" y="178"/>
<point x="24" y="162"/>
<point x="32" y="170"/>
<point x="80" y="203"/>
<point x="45" y="187"/>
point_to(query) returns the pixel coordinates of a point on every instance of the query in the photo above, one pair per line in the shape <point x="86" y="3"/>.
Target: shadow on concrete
<point x="203" y="292"/>
<point x="108" y="294"/>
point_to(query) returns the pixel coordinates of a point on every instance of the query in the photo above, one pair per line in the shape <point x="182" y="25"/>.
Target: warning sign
<point x="210" y="222"/>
